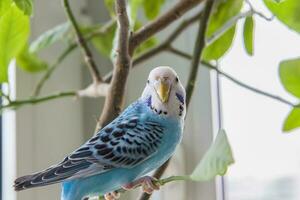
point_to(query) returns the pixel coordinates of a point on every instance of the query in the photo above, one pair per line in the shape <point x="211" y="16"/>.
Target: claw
<point x="147" y="182"/>
<point x="112" y="195"/>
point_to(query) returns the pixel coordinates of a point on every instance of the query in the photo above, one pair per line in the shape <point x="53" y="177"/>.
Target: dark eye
<point x="177" y="79"/>
<point x="148" y="81"/>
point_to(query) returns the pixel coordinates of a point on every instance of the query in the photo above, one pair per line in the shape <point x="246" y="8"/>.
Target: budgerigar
<point x="138" y="141"/>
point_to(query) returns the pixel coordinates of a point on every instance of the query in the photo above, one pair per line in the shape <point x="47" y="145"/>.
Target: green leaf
<point x="29" y="61"/>
<point x="287" y="11"/>
<point x="4" y="6"/>
<point x="50" y="37"/>
<point x="14" y="32"/>
<point x="292" y="121"/>
<point x="215" y="161"/>
<point x="152" y="8"/>
<point x="223" y="11"/>
<point x="110" y="5"/>
<point x="248" y="35"/>
<point x="289" y="73"/>
<point x="134" y="5"/>
<point x="104" y="42"/>
<point x="148" y="44"/>
<point x="25" y="5"/>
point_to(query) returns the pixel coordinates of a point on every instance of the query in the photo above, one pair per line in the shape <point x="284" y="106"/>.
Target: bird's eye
<point x="177" y="79"/>
<point x="148" y="81"/>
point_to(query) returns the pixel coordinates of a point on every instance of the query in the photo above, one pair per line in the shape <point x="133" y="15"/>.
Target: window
<point x="267" y="161"/>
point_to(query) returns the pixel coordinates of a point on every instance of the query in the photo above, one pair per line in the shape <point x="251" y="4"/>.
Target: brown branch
<point x="115" y="98"/>
<point x="172" y="37"/>
<point x="82" y="43"/>
<point x="161" y="22"/>
<point x="198" y="49"/>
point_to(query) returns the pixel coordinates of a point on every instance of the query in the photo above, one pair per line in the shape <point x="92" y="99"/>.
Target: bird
<point x="121" y="154"/>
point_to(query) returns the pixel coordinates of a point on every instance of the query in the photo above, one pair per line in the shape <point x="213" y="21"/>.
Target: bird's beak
<point x="163" y="90"/>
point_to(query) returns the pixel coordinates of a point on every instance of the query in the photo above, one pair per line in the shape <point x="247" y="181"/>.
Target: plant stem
<point x="236" y="81"/>
<point x="36" y="100"/>
<point x="82" y="43"/>
<point x="66" y="52"/>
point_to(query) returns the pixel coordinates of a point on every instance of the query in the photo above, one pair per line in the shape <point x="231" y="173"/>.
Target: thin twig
<point x="161" y="22"/>
<point x="231" y="78"/>
<point x="260" y="14"/>
<point x="103" y="30"/>
<point x="115" y="98"/>
<point x="51" y="69"/>
<point x="17" y="103"/>
<point x="81" y="41"/>
<point x="198" y="48"/>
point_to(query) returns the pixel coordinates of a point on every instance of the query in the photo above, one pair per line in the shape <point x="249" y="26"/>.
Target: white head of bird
<point x="164" y="93"/>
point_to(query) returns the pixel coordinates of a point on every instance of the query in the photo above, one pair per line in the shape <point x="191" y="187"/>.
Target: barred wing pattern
<point x="124" y="143"/>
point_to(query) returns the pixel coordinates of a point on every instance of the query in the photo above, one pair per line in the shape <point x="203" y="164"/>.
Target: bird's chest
<point x="171" y="138"/>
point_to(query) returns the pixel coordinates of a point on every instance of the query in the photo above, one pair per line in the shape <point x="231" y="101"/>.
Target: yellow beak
<point x="163" y="91"/>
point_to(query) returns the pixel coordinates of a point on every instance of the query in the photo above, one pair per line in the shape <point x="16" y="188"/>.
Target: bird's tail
<point x="35" y="180"/>
<point x="24" y="182"/>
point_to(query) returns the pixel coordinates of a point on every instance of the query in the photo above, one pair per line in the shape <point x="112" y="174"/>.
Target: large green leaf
<point x="215" y="161"/>
<point x="50" y="37"/>
<point x="292" y="121"/>
<point x="104" y="42"/>
<point x="4" y="6"/>
<point x="289" y="72"/>
<point x="14" y="32"/>
<point x="25" y="5"/>
<point x="29" y="61"/>
<point x="134" y="5"/>
<point x="248" y="35"/>
<point x="287" y="11"/>
<point x="152" y="8"/>
<point x="223" y="11"/>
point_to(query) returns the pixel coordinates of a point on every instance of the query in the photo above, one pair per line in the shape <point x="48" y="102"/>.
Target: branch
<point x="198" y="48"/>
<point x="84" y="47"/>
<point x="115" y="98"/>
<point x="172" y="37"/>
<point x="51" y="69"/>
<point x="161" y="22"/>
<point x="106" y="27"/>
<point x="238" y="82"/>
<point x="17" y="103"/>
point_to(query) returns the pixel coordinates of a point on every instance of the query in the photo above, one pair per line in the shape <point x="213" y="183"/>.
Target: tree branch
<point x="172" y="37"/>
<point x="67" y="51"/>
<point x="115" y="98"/>
<point x="161" y="22"/>
<point x="238" y="82"/>
<point x="198" y="48"/>
<point x="81" y="41"/>
<point x="17" y="103"/>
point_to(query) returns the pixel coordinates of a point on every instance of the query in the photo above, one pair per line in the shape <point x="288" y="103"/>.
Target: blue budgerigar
<point x="140" y="140"/>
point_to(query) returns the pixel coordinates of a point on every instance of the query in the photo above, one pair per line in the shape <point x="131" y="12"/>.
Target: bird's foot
<point x="112" y="195"/>
<point x="147" y="182"/>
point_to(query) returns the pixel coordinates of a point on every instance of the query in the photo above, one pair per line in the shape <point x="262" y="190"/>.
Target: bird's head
<point x="164" y="93"/>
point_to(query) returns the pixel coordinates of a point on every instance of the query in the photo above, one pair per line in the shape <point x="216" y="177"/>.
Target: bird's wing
<point x="125" y="143"/>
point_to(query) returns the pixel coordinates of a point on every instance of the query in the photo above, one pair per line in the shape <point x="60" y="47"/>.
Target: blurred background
<point x="267" y="162"/>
